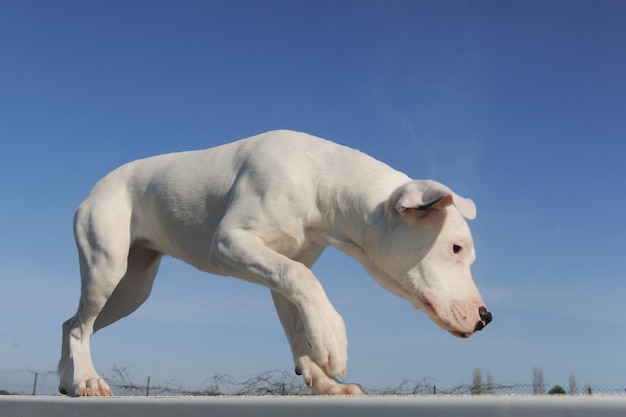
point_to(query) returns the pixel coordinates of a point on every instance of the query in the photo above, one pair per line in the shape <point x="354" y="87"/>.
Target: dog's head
<point x="423" y="252"/>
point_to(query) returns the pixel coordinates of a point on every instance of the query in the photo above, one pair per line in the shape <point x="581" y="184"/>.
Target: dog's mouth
<point x="459" y="334"/>
<point x="430" y="309"/>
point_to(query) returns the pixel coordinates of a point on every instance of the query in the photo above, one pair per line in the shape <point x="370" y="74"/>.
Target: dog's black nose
<point x="485" y="317"/>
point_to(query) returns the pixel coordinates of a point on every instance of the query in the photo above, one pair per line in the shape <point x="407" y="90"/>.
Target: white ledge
<point x="304" y="406"/>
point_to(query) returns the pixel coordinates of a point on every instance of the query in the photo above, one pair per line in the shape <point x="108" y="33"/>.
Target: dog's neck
<point x="352" y="206"/>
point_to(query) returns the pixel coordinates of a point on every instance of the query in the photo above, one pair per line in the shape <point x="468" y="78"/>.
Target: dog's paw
<point x="342" y="389"/>
<point x="328" y="344"/>
<point x="93" y="387"/>
<point x="316" y="379"/>
<point x="330" y="386"/>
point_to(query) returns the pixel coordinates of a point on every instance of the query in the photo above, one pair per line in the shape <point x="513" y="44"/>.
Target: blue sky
<point x="519" y="105"/>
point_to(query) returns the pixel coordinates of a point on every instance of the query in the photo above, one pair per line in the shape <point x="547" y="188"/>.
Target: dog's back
<point x="176" y="201"/>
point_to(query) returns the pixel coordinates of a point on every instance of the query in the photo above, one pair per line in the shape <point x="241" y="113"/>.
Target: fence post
<point x="148" y="388"/>
<point x="35" y="384"/>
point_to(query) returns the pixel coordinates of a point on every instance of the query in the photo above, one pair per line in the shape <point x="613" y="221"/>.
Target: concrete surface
<point x="370" y="406"/>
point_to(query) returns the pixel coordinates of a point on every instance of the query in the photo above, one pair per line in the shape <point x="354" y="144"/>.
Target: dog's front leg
<point x="314" y="377"/>
<point x="243" y="254"/>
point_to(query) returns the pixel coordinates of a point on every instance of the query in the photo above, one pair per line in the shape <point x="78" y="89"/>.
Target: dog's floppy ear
<point x="422" y="195"/>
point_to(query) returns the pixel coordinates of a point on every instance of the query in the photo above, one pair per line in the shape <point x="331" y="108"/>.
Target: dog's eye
<point x="457" y="249"/>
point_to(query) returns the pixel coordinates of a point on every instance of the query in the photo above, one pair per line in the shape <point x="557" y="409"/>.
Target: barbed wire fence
<point x="271" y="383"/>
<point x="267" y="383"/>
<point x="28" y="381"/>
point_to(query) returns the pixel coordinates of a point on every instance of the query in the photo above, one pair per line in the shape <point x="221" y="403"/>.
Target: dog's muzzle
<point x="485" y="319"/>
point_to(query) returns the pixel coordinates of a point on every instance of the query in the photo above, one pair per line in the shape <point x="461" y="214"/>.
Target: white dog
<point x="263" y="209"/>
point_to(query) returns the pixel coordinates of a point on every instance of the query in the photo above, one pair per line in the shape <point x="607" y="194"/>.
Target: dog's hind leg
<point x="133" y="289"/>
<point x="102" y="233"/>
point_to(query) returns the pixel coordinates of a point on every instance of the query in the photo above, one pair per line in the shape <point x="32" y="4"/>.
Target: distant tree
<point x="538" y="382"/>
<point x="573" y="387"/>
<point x="477" y="382"/>
<point x="490" y="386"/>
<point x="557" y="390"/>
